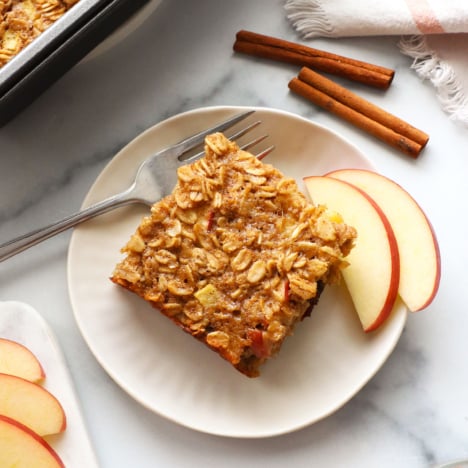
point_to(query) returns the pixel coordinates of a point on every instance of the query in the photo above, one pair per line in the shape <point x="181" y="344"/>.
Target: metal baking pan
<point x="57" y="49"/>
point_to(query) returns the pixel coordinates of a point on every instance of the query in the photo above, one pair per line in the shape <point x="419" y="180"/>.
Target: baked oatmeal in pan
<point x="21" y="21"/>
<point x="236" y="255"/>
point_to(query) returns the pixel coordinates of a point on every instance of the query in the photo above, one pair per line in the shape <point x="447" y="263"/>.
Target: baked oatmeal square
<point x="235" y="255"/>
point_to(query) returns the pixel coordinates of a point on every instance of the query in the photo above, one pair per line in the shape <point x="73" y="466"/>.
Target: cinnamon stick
<point x="362" y="106"/>
<point x="278" y="49"/>
<point x="359" y="112"/>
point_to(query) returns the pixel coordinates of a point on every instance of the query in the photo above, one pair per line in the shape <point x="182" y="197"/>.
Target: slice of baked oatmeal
<point x="236" y="255"/>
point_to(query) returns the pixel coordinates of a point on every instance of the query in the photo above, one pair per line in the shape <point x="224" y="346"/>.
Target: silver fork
<point x="154" y="179"/>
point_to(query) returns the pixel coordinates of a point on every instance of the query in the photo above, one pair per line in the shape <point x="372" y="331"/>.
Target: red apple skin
<point x="436" y="279"/>
<point x="392" y="293"/>
<point x="33" y="384"/>
<point x="23" y="349"/>
<point x="33" y="435"/>
<point x="395" y="258"/>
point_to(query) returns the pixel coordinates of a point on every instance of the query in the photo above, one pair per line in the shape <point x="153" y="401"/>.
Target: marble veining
<point x="414" y="411"/>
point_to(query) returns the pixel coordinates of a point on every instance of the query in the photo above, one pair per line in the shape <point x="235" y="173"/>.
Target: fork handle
<point x="21" y="243"/>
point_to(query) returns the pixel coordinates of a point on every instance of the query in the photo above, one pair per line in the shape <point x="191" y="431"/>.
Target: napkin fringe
<point x="309" y="18"/>
<point x="442" y="76"/>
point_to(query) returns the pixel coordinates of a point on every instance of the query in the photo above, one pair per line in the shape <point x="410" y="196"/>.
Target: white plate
<point x="21" y="323"/>
<point x="318" y="370"/>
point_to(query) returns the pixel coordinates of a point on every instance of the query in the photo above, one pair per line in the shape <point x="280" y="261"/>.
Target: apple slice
<point x="31" y="405"/>
<point x="22" y="448"/>
<point x="16" y="359"/>
<point x="373" y="273"/>
<point x="417" y="242"/>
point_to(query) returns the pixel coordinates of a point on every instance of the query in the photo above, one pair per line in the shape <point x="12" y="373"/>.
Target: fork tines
<point x="238" y="134"/>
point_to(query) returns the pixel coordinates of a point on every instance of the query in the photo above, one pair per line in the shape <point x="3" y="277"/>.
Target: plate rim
<point x="121" y="381"/>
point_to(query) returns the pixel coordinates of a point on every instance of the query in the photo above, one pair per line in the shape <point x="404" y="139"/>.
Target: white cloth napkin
<point x="432" y="33"/>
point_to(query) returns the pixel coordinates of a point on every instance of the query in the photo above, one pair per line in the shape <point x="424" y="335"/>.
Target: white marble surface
<point x="414" y="412"/>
